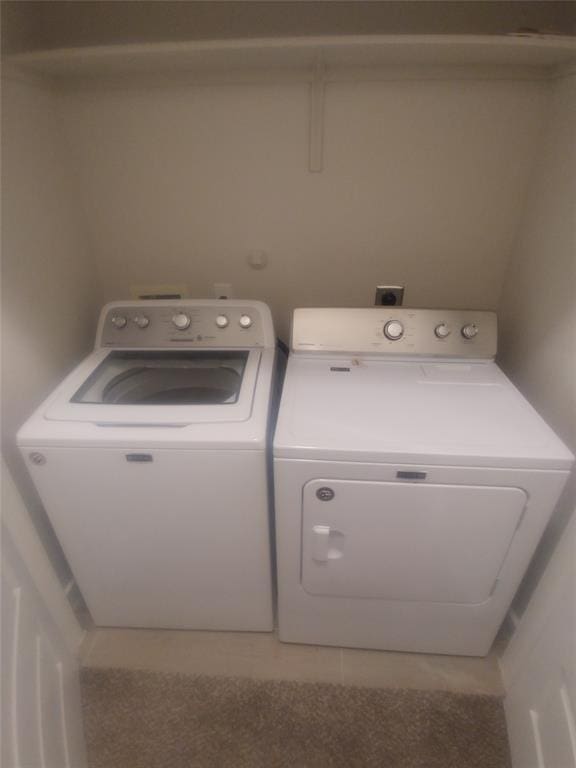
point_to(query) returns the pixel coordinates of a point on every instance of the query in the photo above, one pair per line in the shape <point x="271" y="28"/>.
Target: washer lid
<point x="365" y="409"/>
<point x="174" y="387"/>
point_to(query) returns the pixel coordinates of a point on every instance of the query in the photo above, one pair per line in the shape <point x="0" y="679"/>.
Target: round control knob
<point x="442" y="331"/>
<point x="119" y="321"/>
<point x="469" y="331"/>
<point x="181" y="321"/>
<point x="393" y="330"/>
<point x="142" y="321"/>
<point x="222" y="321"/>
<point x="245" y="321"/>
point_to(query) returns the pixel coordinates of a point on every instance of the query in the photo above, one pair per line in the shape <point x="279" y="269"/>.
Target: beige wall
<point x="49" y="292"/>
<point x="422" y="184"/>
<point x="538" y="304"/>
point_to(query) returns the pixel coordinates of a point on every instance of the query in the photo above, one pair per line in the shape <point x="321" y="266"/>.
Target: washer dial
<point x="181" y="321"/>
<point x="442" y="331"/>
<point x="245" y="321"/>
<point x="119" y="321"/>
<point x="141" y="321"/>
<point x="222" y="321"/>
<point x="393" y="330"/>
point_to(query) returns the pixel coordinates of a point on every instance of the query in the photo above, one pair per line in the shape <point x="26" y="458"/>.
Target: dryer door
<point x="405" y="541"/>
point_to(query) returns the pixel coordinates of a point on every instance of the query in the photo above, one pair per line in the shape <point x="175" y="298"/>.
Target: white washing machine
<point x="412" y="481"/>
<point x="151" y="460"/>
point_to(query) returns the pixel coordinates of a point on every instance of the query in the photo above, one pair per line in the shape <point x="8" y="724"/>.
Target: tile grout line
<point x="263" y="660"/>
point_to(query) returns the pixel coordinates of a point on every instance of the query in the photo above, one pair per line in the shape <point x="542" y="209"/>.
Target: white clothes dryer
<point x="412" y="481"/>
<point x="151" y="460"/>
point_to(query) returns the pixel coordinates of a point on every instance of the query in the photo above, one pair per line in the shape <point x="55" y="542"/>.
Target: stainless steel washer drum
<point x="161" y="386"/>
<point x="165" y="378"/>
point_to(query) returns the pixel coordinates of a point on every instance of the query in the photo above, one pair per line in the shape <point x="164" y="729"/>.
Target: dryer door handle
<point x="320" y="542"/>
<point x="326" y="543"/>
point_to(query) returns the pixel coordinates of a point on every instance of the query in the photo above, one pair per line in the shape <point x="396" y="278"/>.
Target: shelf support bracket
<point x="316" y="117"/>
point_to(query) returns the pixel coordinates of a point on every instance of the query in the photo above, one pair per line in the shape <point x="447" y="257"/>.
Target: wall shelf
<point x="300" y="57"/>
<point x="316" y="61"/>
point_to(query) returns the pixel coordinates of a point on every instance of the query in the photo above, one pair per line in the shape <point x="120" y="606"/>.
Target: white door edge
<point x="16" y="520"/>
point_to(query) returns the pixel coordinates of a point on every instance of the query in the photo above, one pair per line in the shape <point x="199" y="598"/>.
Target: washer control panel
<point x="186" y="323"/>
<point x="396" y="331"/>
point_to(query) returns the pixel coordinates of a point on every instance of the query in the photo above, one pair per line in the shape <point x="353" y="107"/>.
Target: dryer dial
<point x="393" y="330"/>
<point x="469" y="331"/>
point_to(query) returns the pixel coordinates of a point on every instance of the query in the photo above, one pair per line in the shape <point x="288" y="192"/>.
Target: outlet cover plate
<point x="389" y="295"/>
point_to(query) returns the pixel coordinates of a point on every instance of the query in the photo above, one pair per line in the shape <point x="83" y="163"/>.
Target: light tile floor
<point x="262" y="656"/>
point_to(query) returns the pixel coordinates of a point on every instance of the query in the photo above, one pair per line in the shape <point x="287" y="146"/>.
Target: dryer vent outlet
<point x="389" y="295"/>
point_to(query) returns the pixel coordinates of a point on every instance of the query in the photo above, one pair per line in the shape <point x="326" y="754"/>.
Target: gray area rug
<point x="143" y="719"/>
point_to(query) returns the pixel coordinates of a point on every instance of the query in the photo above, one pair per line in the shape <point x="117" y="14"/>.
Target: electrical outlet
<point x="223" y="290"/>
<point x="389" y="295"/>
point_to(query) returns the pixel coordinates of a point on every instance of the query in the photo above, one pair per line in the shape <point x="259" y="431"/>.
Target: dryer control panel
<point x="187" y="323"/>
<point x="396" y="331"/>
